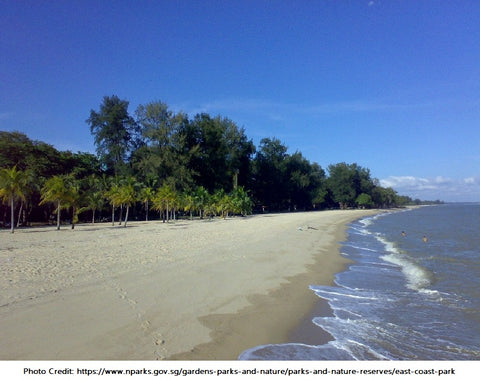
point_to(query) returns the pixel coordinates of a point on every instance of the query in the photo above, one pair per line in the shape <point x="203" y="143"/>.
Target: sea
<point x="412" y="292"/>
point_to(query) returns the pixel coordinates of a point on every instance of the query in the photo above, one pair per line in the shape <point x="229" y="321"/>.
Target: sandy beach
<point x="180" y="290"/>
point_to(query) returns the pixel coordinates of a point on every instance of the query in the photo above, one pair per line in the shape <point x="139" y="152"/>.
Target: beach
<point x="189" y="290"/>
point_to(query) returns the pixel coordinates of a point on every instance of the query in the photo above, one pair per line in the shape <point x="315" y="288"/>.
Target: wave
<point x="328" y="294"/>
<point x="385" y="306"/>
<point x="296" y="351"/>
<point x="418" y="278"/>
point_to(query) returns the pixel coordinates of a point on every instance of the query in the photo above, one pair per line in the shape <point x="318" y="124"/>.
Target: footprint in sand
<point x="159" y="341"/>
<point x="145" y="325"/>
<point x="160" y="351"/>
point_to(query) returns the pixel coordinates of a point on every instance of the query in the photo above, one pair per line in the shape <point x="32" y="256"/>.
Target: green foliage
<point x="13" y="186"/>
<point x="242" y="203"/>
<point x="164" y="199"/>
<point x="63" y="191"/>
<point x="205" y="165"/>
<point x="114" y="133"/>
<point x="93" y="195"/>
<point x="161" y="154"/>
<point x="146" y="196"/>
<point x="347" y="181"/>
<point x="364" y="201"/>
<point x="217" y="152"/>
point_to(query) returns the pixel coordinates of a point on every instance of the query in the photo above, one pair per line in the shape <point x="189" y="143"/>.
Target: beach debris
<point x="302" y="228"/>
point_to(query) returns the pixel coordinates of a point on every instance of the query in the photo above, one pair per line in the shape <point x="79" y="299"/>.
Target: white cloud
<point x="472" y="181"/>
<point x="447" y="189"/>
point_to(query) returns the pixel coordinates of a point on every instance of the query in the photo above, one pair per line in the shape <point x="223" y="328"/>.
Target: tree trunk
<point x="93" y="216"/>
<point x="12" y="214"/>
<point x="120" y="218"/>
<point x="20" y="214"/>
<point x="113" y="215"/>
<point x="58" y="215"/>
<point x="73" y="218"/>
<point x="126" y="217"/>
<point x="146" y="210"/>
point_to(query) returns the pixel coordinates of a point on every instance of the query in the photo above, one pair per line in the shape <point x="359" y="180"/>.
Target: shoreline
<point x="284" y="315"/>
<point x="201" y="290"/>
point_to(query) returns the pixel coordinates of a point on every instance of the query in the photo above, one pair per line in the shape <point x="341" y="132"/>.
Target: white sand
<point x="142" y="292"/>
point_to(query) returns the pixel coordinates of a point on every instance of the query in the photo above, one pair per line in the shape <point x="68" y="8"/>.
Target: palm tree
<point x="242" y="204"/>
<point x="201" y="200"/>
<point x="113" y="195"/>
<point x="222" y="203"/>
<point x="127" y="195"/>
<point x="73" y="198"/>
<point x="189" y="204"/>
<point x="12" y="186"/>
<point x="30" y="187"/>
<point x="164" y="198"/>
<point x="146" y="195"/>
<point x="55" y="190"/>
<point x="94" y="195"/>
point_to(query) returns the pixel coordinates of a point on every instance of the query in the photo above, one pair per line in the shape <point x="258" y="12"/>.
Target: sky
<point x="392" y="85"/>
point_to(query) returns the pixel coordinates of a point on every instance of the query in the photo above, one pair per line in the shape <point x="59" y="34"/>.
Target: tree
<point x="242" y="204"/>
<point x="346" y="182"/>
<point x="364" y="201"/>
<point x="56" y="191"/>
<point x="222" y="203"/>
<point x="239" y="154"/>
<point x="127" y="195"/>
<point x="114" y="131"/>
<point x="114" y="197"/>
<point x="163" y="199"/>
<point x="12" y="186"/>
<point x="162" y="153"/>
<point x="298" y="173"/>
<point x="201" y="196"/>
<point x="218" y="152"/>
<point x="146" y="196"/>
<point x="73" y="197"/>
<point x="188" y="203"/>
<point x="270" y="182"/>
<point x="318" y="188"/>
<point x="93" y="195"/>
<point x="384" y="197"/>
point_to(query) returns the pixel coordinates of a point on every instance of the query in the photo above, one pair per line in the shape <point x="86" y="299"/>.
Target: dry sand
<point x="182" y="290"/>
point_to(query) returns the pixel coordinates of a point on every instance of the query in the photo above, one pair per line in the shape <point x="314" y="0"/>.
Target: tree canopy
<point x="162" y="160"/>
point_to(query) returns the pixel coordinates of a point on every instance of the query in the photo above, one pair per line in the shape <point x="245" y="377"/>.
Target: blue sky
<point x="391" y="85"/>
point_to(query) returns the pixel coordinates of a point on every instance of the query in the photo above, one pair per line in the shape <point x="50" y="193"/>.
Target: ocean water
<point x="403" y="298"/>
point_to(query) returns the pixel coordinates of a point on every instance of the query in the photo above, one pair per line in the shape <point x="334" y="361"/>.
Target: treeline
<point x="166" y="161"/>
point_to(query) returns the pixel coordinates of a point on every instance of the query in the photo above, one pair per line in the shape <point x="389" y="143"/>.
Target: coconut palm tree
<point x="31" y="185"/>
<point x="94" y="195"/>
<point x="113" y="195"/>
<point x="189" y="204"/>
<point x="55" y="190"/>
<point x="128" y="195"/>
<point x="201" y="200"/>
<point x="12" y="186"/>
<point x="222" y="203"/>
<point x="73" y="198"/>
<point x="164" y="198"/>
<point x="242" y="204"/>
<point x="146" y="195"/>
